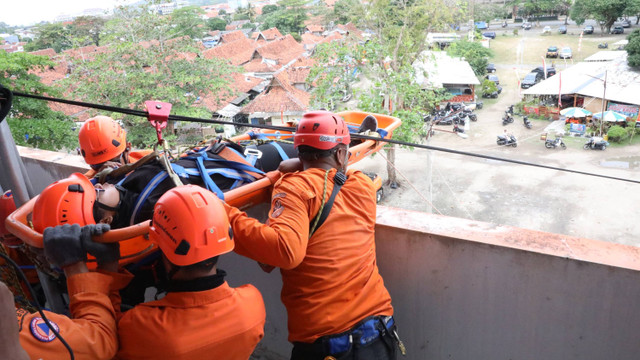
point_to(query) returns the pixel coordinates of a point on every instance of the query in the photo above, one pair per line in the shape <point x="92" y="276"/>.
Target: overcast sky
<point x="28" y="12"/>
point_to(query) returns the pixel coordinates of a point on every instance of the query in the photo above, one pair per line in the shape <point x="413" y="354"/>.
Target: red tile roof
<point x="315" y="28"/>
<point x="238" y="52"/>
<point x="232" y="36"/>
<point x="298" y="75"/>
<point x="271" y="34"/>
<point x="47" y="52"/>
<point x="231" y="27"/>
<point x="211" y="14"/>
<point x="282" y="50"/>
<point x="311" y="39"/>
<point x="335" y="36"/>
<point x="279" y="96"/>
<point x="352" y="29"/>
<point x="257" y="66"/>
<point x="238" y="84"/>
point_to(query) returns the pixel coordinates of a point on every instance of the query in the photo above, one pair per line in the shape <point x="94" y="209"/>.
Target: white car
<point x="546" y="30"/>
<point x="565" y="53"/>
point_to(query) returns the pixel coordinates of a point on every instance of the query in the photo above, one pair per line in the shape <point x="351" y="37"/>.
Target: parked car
<point x="489" y="34"/>
<point x="562" y="29"/>
<point x="546" y="30"/>
<point x="491" y="68"/>
<point x="531" y="79"/>
<point x="617" y="30"/>
<point x="481" y="25"/>
<point x="626" y="23"/>
<point x="526" y="25"/>
<point x="552" y="52"/>
<point x="588" y="29"/>
<point x="493" y="78"/>
<point x="550" y="71"/>
<point x="565" y="53"/>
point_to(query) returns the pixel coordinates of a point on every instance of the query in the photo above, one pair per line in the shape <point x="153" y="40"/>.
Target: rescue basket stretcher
<point x="134" y="244"/>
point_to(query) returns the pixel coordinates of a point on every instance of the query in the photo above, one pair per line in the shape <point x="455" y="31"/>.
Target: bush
<point x="515" y="32"/>
<point x="617" y="133"/>
<point x="488" y="86"/>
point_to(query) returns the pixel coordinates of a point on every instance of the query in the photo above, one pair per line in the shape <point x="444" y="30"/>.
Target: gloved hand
<point x="63" y="245"/>
<point x="104" y="253"/>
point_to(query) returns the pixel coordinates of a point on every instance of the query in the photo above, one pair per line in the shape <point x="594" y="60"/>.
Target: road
<point x="523" y="196"/>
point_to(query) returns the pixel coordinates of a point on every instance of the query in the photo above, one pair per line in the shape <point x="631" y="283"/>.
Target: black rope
<point x="141" y="113"/>
<point x="23" y="277"/>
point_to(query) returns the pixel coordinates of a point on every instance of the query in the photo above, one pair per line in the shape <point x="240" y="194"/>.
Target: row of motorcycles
<point x="594" y="143"/>
<point x="452" y="114"/>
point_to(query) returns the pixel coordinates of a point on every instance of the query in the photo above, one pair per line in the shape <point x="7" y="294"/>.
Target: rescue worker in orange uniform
<point x="91" y="330"/>
<point x="337" y="304"/>
<point x="201" y="317"/>
<point x="103" y="144"/>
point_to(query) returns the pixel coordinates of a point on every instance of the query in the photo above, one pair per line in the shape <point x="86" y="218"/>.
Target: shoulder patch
<point x="277" y="208"/>
<point x="41" y="331"/>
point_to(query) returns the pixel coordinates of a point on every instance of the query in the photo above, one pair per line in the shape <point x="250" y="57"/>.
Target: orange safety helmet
<point x="190" y="225"/>
<point x="101" y="139"/>
<point x="66" y="201"/>
<point x="321" y="130"/>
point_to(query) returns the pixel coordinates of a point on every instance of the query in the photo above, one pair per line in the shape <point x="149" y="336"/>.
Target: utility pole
<point x="604" y="95"/>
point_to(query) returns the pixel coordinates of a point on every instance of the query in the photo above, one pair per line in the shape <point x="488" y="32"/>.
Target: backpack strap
<point x="338" y="180"/>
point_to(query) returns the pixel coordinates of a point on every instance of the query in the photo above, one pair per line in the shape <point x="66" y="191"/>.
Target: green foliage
<point x="55" y="36"/>
<point x="87" y="30"/>
<point x="247" y="13"/>
<point x="617" y="133"/>
<point x="144" y="63"/>
<point x="606" y="11"/>
<point x="474" y="53"/>
<point x="633" y="49"/>
<point x="345" y="11"/>
<point x="488" y="12"/>
<point x="488" y="86"/>
<point x="539" y="7"/>
<point x="248" y="26"/>
<point x="288" y="18"/>
<point x="515" y="32"/>
<point x="216" y="24"/>
<point x="32" y="122"/>
<point x="187" y="21"/>
<point x="269" y="9"/>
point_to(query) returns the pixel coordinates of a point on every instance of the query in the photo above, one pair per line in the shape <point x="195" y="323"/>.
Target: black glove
<point x="63" y="245"/>
<point x="104" y="253"/>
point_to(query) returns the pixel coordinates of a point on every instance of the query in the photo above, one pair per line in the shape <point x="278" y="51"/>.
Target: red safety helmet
<point x="101" y="139"/>
<point x="321" y="130"/>
<point x="190" y="225"/>
<point x="66" y="201"/>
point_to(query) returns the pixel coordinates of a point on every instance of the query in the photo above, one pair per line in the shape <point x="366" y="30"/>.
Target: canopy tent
<point x="575" y="112"/>
<point x="611" y="116"/>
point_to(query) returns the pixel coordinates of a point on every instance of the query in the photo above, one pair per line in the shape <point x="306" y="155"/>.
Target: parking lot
<point x="518" y="195"/>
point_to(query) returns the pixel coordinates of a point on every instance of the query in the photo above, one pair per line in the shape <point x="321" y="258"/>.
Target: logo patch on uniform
<point x="41" y="331"/>
<point x="20" y="314"/>
<point x="278" y="208"/>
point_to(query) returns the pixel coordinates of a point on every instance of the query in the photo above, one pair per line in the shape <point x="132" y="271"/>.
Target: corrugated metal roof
<point x="435" y="68"/>
<point x="606" y="56"/>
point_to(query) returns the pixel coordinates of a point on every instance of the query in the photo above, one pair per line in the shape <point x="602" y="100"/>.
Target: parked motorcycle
<point x="458" y="129"/>
<point x="466" y="112"/>
<point x="526" y="121"/>
<point x="603" y="45"/>
<point x="596" y="143"/>
<point x="507" y="118"/>
<point x="552" y="144"/>
<point x="507" y="140"/>
<point x="504" y="24"/>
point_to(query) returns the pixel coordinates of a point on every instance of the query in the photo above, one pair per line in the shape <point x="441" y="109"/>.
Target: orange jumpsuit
<point x="91" y="333"/>
<point x="220" y="323"/>
<point x="331" y="281"/>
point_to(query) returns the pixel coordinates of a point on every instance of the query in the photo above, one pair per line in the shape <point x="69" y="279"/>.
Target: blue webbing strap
<point x="210" y="184"/>
<point x="146" y="192"/>
<point x="283" y="155"/>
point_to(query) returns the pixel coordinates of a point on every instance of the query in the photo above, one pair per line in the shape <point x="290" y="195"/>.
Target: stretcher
<point x="134" y="244"/>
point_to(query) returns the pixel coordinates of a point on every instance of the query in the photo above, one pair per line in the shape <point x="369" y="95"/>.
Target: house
<point x="237" y="52"/>
<point x="227" y="37"/>
<point x="582" y="85"/>
<point x="437" y="70"/>
<point x="227" y="103"/>
<point x="266" y="35"/>
<point x="235" y="25"/>
<point x="279" y="103"/>
<point x="314" y="29"/>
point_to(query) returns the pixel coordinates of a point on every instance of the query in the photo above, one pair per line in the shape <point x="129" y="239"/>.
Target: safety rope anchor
<point x="158" y="115"/>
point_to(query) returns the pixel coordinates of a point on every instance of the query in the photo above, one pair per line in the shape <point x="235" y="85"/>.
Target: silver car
<point x="565" y="53"/>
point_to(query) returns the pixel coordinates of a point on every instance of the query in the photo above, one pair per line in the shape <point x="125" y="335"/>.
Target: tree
<point x="32" y="122"/>
<point x="341" y="13"/>
<point x="54" y="36"/>
<point x="633" y="49"/>
<point x="633" y="9"/>
<point x="187" y="21"/>
<point x="269" y="9"/>
<point x="247" y="13"/>
<point x="604" y="11"/>
<point x="386" y="60"/>
<point x="289" y="18"/>
<point x="216" y="24"/>
<point x="539" y="7"/>
<point x="144" y="63"/>
<point x="474" y="53"/>
<point x="87" y="30"/>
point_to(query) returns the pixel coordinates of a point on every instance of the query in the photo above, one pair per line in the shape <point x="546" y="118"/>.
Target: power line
<point x="141" y="113"/>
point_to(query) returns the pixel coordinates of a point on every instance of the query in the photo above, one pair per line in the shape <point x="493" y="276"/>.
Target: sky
<point x="29" y="12"/>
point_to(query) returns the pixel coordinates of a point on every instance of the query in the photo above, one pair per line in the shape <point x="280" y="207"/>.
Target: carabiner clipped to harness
<point x="158" y="115"/>
<point x="166" y="164"/>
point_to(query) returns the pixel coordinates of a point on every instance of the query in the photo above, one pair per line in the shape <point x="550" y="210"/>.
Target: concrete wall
<point x="44" y="167"/>
<point x="470" y="290"/>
